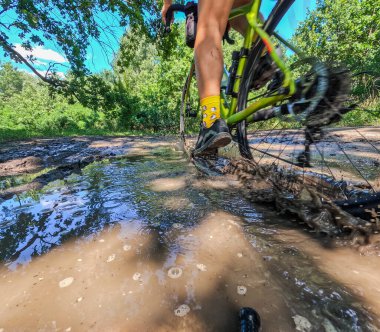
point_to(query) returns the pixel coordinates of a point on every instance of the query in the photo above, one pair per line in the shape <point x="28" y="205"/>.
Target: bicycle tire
<point x="357" y="207"/>
<point x="254" y="55"/>
<point x="182" y="116"/>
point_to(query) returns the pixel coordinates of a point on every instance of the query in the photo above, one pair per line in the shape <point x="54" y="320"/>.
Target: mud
<point x="134" y="238"/>
<point x="342" y="154"/>
<point x="63" y="157"/>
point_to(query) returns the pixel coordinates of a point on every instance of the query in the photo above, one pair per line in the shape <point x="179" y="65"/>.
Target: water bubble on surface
<point x="127" y="247"/>
<point x="136" y="276"/>
<point x="66" y="282"/>
<point x="202" y="267"/>
<point x="241" y="290"/>
<point x="175" y="272"/>
<point x="182" y="310"/>
<point x="177" y="225"/>
<point x="111" y="258"/>
<point x="302" y="323"/>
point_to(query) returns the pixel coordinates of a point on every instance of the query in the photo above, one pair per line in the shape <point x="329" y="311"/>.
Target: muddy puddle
<point x="347" y="154"/>
<point x="145" y="243"/>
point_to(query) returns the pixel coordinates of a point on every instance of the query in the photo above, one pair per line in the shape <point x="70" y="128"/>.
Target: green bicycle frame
<point x="229" y="110"/>
<point x="251" y="11"/>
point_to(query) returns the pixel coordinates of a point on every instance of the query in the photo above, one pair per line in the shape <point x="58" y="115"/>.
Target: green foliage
<point x="10" y="82"/>
<point x="348" y="33"/>
<point x="343" y="31"/>
<point x="70" y="23"/>
<point x="27" y="107"/>
<point x="143" y="90"/>
<point x="154" y="80"/>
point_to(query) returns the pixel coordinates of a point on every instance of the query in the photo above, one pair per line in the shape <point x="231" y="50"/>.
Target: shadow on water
<point x="158" y="206"/>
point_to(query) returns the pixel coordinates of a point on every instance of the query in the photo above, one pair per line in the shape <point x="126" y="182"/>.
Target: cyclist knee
<point x="212" y="27"/>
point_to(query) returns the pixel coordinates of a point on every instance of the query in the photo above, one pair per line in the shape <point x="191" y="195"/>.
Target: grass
<point x="10" y="134"/>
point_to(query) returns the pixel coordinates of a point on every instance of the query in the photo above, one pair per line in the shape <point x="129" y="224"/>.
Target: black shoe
<point x="209" y="139"/>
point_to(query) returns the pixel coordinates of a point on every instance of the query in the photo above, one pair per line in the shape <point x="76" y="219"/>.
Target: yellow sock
<point x="210" y="107"/>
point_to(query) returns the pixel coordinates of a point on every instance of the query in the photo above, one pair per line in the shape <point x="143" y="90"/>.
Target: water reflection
<point x="121" y="226"/>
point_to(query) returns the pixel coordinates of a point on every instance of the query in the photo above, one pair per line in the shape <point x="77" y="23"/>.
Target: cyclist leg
<point x="212" y="22"/>
<point x="240" y="24"/>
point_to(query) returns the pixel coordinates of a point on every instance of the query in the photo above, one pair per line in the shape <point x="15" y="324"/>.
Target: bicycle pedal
<point x="190" y="113"/>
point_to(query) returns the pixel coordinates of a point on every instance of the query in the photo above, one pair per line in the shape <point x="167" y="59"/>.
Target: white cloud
<point x="42" y="72"/>
<point x="40" y="52"/>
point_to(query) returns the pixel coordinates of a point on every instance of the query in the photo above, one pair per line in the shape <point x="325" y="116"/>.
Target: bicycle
<point x="260" y="86"/>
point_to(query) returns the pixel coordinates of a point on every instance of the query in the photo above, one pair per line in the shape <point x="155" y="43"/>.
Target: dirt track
<point x="63" y="156"/>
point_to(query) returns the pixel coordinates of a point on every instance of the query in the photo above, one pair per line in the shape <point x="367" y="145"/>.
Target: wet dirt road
<point x="145" y="243"/>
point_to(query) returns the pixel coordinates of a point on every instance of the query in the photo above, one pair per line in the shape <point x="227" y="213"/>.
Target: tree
<point x="343" y="31"/>
<point x="154" y="78"/>
<point x="11" y="81"/>
<point x="70" y="24"/>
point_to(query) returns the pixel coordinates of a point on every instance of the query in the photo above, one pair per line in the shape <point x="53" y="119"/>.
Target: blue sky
<point x="100" y="58"/>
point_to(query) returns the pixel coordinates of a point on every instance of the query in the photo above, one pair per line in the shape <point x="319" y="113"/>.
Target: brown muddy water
<point x="145" y="243"/>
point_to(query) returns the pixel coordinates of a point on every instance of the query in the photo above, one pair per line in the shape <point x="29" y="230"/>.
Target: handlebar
<point x="169" y="15"/>
<point x="190" y="7"/>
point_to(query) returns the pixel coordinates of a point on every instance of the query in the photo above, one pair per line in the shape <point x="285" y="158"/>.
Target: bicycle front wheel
<point x="188" y="112"/>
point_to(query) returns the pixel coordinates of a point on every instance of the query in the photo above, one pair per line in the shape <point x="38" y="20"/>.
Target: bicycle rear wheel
<point x="344" y="161"/>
